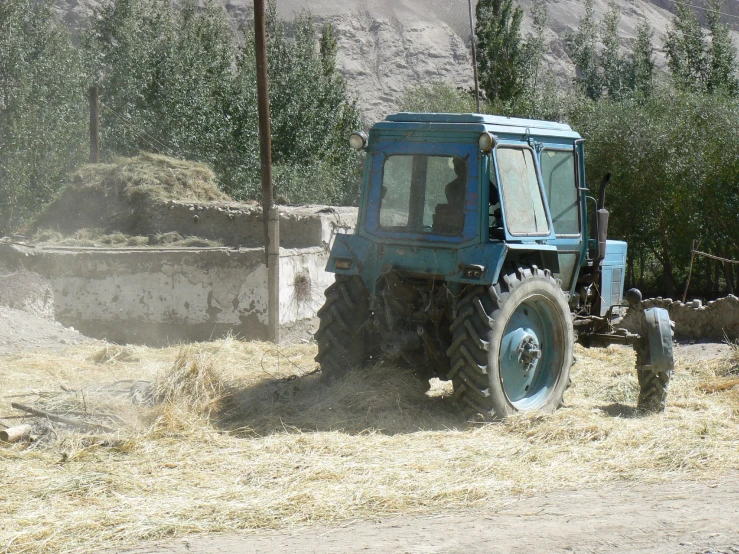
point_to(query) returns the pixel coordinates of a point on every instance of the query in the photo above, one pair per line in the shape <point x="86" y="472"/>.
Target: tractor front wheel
<point x="512" y="345"/>
<point x="654" y="359"/>
<point x="342" y="336"/>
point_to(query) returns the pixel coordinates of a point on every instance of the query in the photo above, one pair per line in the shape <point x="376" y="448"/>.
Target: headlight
<point x="343" y="263"/>
<point x="358" y="140"/>
<point x="487" y="142"/>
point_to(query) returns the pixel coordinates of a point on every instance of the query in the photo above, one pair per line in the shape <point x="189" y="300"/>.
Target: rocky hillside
<point x="388" y="45"/>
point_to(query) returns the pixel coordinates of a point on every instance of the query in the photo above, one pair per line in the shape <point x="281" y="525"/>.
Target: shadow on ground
<point x="381" y="399"/>
<point x="622" y="410"/>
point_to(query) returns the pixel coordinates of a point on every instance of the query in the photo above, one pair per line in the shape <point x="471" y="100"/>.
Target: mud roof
<point x="496" y="123"/>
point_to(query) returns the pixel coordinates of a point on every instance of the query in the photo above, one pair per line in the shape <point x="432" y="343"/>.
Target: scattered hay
<point x="175" y="239"/>
<point x="111" y="353"/>
<point x="192" y="379"/>
<point x="732" y="360"/>
<point x="99" y="238"/>
<point x="381" y="400"/>
<point x="245" y="440"/>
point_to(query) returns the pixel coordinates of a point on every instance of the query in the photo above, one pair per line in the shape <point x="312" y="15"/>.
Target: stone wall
<point x="159" y="296"/>
<point x="236" y="224"/>
<point x="717" y="320"/>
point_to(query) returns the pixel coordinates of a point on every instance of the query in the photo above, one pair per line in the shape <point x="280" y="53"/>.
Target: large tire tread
<point x="343" y="325"/>
<point x="471" y="329"/>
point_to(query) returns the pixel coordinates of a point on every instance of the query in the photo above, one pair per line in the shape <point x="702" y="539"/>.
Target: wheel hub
<point x="529" y="352"/>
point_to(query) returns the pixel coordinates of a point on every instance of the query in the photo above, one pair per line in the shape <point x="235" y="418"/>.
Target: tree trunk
<point x="717" y="279"/>
<point x="668" y="282"/>
<point x="729" y="276"/>
<point x="709" y="279"/>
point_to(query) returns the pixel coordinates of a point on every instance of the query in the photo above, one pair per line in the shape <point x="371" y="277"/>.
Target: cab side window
<point x="560" y="183"/>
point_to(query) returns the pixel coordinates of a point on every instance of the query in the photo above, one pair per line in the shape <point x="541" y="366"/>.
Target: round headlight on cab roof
<point x="358" y="140"/>
<point x="487" y="142"/>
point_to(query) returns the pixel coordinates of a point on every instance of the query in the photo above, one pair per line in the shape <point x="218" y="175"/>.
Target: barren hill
<point x="388" y="45"/>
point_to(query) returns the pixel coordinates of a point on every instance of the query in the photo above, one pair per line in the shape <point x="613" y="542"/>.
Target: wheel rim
<point x="530" y="360"/>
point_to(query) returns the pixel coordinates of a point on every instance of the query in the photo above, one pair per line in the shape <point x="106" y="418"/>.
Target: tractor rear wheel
<point x="512" y="345"/>
<point x="343" y="333"/>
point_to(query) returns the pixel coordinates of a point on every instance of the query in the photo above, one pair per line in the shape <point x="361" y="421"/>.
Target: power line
<point x="675" y="2"/>
<point x="140" y="134"/>
<point x="705" y="9"/>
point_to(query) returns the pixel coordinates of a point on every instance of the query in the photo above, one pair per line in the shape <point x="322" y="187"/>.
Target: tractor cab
<point x="470" y="194"/>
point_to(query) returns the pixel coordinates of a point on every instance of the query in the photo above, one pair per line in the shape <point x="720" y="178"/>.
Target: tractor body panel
<point x="613" y="274"/>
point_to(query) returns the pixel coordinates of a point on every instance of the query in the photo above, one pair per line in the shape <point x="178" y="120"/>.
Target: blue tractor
<point x="473" y="261"/>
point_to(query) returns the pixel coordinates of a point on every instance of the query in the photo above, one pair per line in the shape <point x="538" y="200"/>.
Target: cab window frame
<point x="540" y="182"/>
<point x="576" y="183"/>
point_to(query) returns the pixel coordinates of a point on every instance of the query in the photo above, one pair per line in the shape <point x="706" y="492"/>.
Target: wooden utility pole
<point x="94" y="124"/>
<point x="270" y="211"/>
<point x="474" y="57"/>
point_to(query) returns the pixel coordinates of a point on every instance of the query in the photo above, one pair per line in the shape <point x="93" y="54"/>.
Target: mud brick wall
<point x="694" y="320"/>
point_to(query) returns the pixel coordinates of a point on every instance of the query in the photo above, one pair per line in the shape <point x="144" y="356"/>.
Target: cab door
<point x="559" y="167"/>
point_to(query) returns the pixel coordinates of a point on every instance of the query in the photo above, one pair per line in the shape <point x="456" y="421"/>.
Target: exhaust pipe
<point x="602" y="218"/>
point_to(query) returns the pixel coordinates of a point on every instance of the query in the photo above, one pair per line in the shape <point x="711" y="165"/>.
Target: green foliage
<point x="438" y="98"/>
<point x="534" y="48"/>
<point x="721" y="53"/>
<point x="501" y="61"/>
<point x="700" y="61"/>
<point x="641" y="69"/>
<point x="609" y="72"/>
<point x="312" y="115"/>
<point x="686" y="50"/>
<point x="583" y="47"/>
<point x="42" y="109"/>
<point x="612" y="61"/>
<point x="672" y="178"/>
<point x="176" y="81"/>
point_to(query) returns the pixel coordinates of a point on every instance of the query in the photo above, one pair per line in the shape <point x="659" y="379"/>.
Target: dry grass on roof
<point x="246" y="437"/>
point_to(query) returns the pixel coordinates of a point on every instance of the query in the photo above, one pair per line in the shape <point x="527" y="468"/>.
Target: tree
<point x="500" y="60"/>
<point x="583" y="45"/>
<point x="721" y="54"/>
<point x="43" y="114"/>
<point x="641" y="69"/>
<point x="175" y="80"/>
<point x="611" y="60"/>
<point x="686" y="51"/>
<point x="534" y="48"/>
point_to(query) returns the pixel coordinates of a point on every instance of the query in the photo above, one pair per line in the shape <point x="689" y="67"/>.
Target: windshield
<point x="424" y="194"/>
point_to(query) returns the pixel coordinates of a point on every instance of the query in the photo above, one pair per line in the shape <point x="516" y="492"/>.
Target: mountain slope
<point x="386" y="46"/>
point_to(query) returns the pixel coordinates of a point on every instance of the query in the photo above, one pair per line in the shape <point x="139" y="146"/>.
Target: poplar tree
<point x="611" y="59"/>
<point x="501" y="63"/>
<point x="583" y="45"/>
<point x="43" y="109"/>
<point x="721" y="53"/>
<point x="686" y="51"/>
<point x="642" y="61"/>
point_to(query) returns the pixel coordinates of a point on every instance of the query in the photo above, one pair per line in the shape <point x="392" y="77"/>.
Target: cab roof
<point x="492" y="123"/>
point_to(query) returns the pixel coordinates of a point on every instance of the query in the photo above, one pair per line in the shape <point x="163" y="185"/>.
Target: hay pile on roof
<point x="113" y="196"/>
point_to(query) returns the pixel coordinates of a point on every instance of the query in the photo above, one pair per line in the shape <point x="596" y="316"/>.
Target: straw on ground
<point x="235" y="445"/>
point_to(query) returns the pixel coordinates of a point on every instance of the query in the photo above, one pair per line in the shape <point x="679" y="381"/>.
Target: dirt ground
<point x="365" y="467"/>
<point x="669" y="518"/>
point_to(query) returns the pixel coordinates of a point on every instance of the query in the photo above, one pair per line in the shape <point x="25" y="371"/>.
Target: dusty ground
<point x="21" y="332"/>
<point x="669" y="518"/>
<point x="249" y="462"/>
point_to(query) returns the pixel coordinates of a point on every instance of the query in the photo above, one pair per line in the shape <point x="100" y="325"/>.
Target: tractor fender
<point x="543" y="256"/>
<point x="659" y="335"/>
